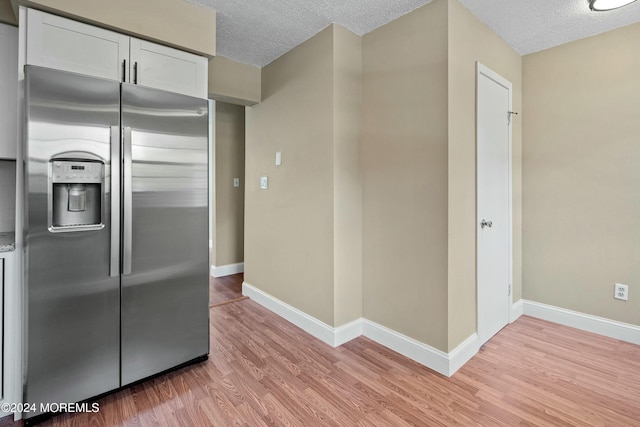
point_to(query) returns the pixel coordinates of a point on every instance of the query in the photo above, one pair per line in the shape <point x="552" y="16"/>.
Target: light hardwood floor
<point x="264" y="371"/>
<point x="225" y="289"/>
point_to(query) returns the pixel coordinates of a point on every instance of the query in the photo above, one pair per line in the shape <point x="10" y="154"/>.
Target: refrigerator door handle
<point x="115" y="202"/>
<point x="128" y="199"/>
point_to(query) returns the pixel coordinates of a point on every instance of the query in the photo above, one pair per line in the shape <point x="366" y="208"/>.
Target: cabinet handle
<point x="135" y="73"/>
<point x="124" y="70"/>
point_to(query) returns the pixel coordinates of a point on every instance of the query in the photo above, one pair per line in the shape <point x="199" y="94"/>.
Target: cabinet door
<point x="8" y="91"/>
<point x="68" y="45"/>
<point x="162" y="67"/>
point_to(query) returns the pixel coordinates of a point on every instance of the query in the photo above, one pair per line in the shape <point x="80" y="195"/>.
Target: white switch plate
<point x="278" y="158"/>
<point x="621" y="292"/>
<point x="236" y="182"/>
<point x="264" y="182"/>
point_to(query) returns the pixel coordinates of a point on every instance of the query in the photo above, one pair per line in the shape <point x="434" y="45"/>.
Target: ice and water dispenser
<point x="76" y="195"/>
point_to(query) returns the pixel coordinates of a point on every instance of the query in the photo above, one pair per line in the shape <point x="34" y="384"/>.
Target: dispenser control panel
<point x="76" y="171"/>
<point x="76" y="195"/>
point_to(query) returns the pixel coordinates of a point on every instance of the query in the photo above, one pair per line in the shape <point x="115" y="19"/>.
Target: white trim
<point x="332" y="336"/>
<point x="439" y="361"/>
<point x="345" y="333"/>
<point x="586" y="322"/>
<point x="227" y="270"/>
<point x="516" y="311"/>
<point x="422" y="353"/>
<point x="309" y="324"/>
<point x="463" y="353"/>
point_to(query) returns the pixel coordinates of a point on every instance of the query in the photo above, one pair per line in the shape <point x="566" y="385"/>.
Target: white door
<point x="493" y="202"/>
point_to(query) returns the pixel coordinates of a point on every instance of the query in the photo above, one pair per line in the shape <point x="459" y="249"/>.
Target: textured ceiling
<point x="258" y="31"/>
<point x="533" y="25"/>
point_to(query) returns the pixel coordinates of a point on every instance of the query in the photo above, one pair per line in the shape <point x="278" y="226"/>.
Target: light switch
<point x="264" y="182"/>
<point x="236" y="182"/>
<point x="278" y="158"/>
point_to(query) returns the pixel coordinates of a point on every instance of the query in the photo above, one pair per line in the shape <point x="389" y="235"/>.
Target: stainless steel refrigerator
<point x="116" y="234"/>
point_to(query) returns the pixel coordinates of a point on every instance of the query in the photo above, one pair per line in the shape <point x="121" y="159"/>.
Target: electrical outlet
<point x="264" y="182"/>
<point x="621" y="292"/>
<point x="236" y="182"/>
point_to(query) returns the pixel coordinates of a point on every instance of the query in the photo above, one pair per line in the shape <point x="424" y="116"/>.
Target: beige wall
<point x="303" y="235"/>
<point x="469" y="41"/>
<point x="404" y="161"/>
<point x="234" y="82"/>
<point x="581" y="174"/>
<point x="7" y="15"/>
<point x="175" y="23"/>
<point x="574" y="177"/>
<point x="347" y="176"/>
<point x="229" y="200"/>
<point x="289" y="227"/>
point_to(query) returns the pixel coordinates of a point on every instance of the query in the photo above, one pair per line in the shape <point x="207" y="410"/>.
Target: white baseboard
<point x="325" y="333"/>
<point x="345" y="333"/>
<point x="516" y="311"/>
<point x="439" y="361"/>
<point x="463" y="353"/>
<point x="227" y="270"/>
<point x="407" y="346"/>
<point x="586" y="322"/>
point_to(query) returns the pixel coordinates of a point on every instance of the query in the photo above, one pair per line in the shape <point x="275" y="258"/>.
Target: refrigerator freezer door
<point x="165" y="282"/>
<point x="72" y="303"/>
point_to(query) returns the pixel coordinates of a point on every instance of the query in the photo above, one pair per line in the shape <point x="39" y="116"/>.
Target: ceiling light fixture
<point x="602" y="5"/>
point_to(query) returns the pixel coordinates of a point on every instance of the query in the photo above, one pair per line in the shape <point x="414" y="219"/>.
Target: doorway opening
<point x="226" y="169"/>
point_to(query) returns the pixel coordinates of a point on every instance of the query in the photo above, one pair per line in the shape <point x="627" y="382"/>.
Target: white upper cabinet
<point x="68" y="45"/>
<point x="63" y="44"/>
<point x="162" y="67"/>
<point x="8" y="91"/>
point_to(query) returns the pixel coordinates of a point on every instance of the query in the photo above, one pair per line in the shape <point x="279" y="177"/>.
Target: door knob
<point x="485" y="223"/>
